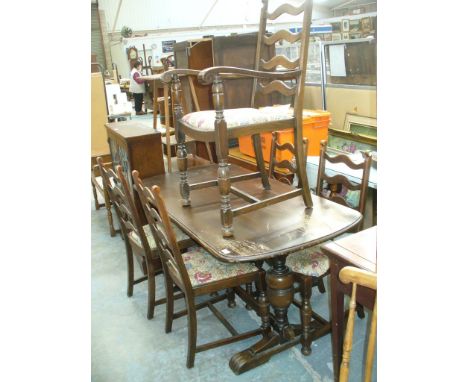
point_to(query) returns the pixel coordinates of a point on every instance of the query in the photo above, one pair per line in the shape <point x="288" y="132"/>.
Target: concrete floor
<point x="128" y="347"/>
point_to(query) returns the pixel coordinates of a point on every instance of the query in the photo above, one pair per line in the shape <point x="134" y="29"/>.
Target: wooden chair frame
<point x="306" y="283"/>
<point x="295" y="73"/>
<point x="176" y="274"/>
<point x="367" y="279"/>
<point x="102" y="189"/>
<point x="148" y="259"/>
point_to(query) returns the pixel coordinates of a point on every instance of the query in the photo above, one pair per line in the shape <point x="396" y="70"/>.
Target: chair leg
<point x="231" y="297"/>
<point x="180" y="137"/>
<point x="321" y="286"/>
<point x="257" y="144"/>
<point x="109" y="213"/>
<point x="306" y="314"/>
<point x="248" y="289"/>
<point x="192" y="331"/>
<point x="96" y="202"/>
<point x="130" y="268"/>
<point x="224" y="185"/>
<point x="360" y="311"/>
<point x="301" y="166"/>
<point x="169" y="302"/>
<point x="151" y="291"/>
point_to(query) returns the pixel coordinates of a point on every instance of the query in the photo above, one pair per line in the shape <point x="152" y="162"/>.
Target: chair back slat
<point x="286" y="8"/>
<point x="265" y="40"/>
<point x="277" y="86"/>
<point x="336" y="181"/>
<point x="282" y="34"/>
<point x="279" y="60"/>
<point x="163" y="233"/>
<point x="367" y="279"/>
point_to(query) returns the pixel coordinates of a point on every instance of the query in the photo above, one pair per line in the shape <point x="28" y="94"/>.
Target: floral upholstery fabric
<point x="204" y="268"/>
<point x="204" y="120"/>
<point x="177" y="231"/>
<point x="309" y="262"/>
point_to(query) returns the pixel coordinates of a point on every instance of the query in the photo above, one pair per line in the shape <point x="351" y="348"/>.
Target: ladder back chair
<point x="98" y="184"/>
<point x="367" y="279"/>
<point x="195" y="273"/>
<point x="138" y="239"/>
<point x="310" y="265"/>
<point x="220" y="125"/>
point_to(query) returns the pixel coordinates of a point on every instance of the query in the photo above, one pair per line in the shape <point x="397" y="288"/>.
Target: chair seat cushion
<point x="204" y="268"/>
<point x="204" y="120"/>
<point x="180" y="236"/>
<point x="309" y="262"/>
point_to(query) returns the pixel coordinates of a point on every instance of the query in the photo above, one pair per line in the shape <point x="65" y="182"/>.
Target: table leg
<point x="280" y="294"/>
<point x="337" y="318"/>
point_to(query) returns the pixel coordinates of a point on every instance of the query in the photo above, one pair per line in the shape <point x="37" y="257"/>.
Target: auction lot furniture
<point x="267" y="233"/>
<point x="358" y="250"/>
<point x="220" y="125"/>
<point x="363" y="278"/>
<point x="195" y="273"/>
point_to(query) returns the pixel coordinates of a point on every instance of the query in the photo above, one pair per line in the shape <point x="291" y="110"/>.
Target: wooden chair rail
<point x="277" y="86"/>
<point x="282" y="35"/>
<point x="279" y="60"/>
<point x="285" y="8"/>
<point x="207" y="76"/>
<point x="347" y="160"/>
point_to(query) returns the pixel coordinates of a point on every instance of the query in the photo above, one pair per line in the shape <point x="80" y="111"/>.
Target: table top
<point x="359" y="250"/>
<point x="341" y="168"/>
<point x="272" y="231"/>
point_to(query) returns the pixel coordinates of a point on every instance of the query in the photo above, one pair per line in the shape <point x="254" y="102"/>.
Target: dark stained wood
<point x="176" y="274"/>
<point x="262" y="234"/>
<point x="358" y="250"/>
<point x="135" y="146"/>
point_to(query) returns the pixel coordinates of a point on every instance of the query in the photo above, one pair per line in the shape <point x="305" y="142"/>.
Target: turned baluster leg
<point x="280" y="291"/>
<point x="306" y="315"/>
<point x="301" y="164"/>
<point x="184" y="187"/>
<point x="222" y="151"/>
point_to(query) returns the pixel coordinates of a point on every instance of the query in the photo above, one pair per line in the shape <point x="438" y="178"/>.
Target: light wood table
<point x="268" y="233"/>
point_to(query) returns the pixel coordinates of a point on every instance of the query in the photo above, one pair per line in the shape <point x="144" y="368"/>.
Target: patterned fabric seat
<point x="178" y="233"/>
<point x="204" y="120"/>
<point x="309" y="262"/>
<point x="204" y="268"/>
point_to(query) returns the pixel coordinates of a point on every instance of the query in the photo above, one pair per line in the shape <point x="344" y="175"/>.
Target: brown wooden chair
<point x="97" y="185"/>
<point x="220" y="125"/>
<point x="195" y="272"/>
<point x="137" y="237"/>
<point x="310" y="266"/>
<point x="367" y="279"/>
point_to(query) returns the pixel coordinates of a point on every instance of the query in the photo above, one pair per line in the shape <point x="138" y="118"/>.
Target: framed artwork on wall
<point x="345" y="25"/>
<point x="366" y="24"/>
<point x="336" y="36"/>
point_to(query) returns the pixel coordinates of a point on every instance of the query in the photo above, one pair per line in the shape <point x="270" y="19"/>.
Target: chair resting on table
<point x="195" y="273"/>
<point x="310" y="266"/>
<point x="220" y="125"/>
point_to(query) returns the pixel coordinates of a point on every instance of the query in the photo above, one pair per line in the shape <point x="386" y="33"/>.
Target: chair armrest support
<point x="166" y="76"/>
<point x="207" y="75"/>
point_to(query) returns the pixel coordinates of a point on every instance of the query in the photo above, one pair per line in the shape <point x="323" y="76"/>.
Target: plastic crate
<point x="315" y="127"/>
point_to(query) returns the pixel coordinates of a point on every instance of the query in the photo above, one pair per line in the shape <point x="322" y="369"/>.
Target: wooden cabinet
<point x="135" y="147"/>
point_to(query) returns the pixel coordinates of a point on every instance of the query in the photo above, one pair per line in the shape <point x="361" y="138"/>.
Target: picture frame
<point x="345" y="36"/>
<point x="354" y="120"/>
<point x="345" y="25"/>
<point x="354" y="26"/>
<point x="336" y="36"/>
<point x="366" y="24"/>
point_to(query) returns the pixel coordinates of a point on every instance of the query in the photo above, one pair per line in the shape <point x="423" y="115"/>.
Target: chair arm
<point x="207" y="75"/>
<point x="166" y="76"/>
